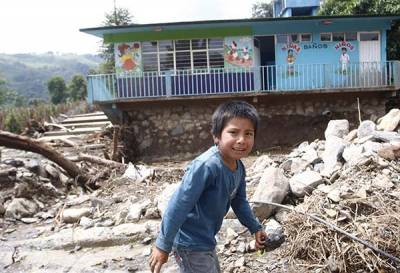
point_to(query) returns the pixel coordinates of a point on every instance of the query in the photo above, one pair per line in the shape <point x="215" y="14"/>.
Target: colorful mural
<point x="292" y="50"/>
<point x="344" y="58"/>
<point x="238" y="52"/>
<point x="128" y="57"/>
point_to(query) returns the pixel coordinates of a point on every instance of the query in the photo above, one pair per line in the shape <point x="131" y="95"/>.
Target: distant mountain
<point x="28" y="73"/>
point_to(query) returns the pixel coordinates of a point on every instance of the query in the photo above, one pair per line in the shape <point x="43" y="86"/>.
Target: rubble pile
<point x="352" y="180"/>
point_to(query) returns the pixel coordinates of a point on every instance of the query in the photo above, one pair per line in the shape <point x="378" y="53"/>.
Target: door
<point x="370" y="59"/>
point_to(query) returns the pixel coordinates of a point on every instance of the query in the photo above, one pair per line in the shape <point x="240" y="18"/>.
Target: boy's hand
<point x="158" y="257"/>
<point x="260" y="237"/>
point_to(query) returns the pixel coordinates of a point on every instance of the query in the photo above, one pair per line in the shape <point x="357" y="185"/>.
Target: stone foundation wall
<point x="180" y="129"/>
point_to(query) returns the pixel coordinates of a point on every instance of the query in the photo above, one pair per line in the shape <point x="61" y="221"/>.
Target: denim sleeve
<point x="242" y="209"/>
<point x="182" y="202"/>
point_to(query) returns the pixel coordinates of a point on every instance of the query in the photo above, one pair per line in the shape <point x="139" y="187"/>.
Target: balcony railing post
<point x="168" y="83"/>
<point x="257" y="80"/>
<point x="396" y="74"/>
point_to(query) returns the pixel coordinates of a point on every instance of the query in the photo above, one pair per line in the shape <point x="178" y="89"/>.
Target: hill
<point x="28" y="73"/>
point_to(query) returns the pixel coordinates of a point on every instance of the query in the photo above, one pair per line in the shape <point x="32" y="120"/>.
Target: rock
<point x="230" y="214"/>
<point x="382" y="181"/>
<point x="165" y="196"/>
<point x="241" y="247"/>
<point x="371" y="147"/>
<point x="2" y="210"/>
<point x="338" y="128"/>
<point x="86" y="222"/>
<point x="387" y="136"/>
<point x="52" y="171"/>
<point x="261" y="163"/>
<point x="305" y="182"/>
<point x="13" y="162"/>
<point x="147" y="251"/>
<point x="310" y="156"/>
<point x="281" y="215"/>
<point x="334" y="195"/>
<point x="334" y="147"/>
<point x="275" y="236"/>
<point x="231" y="234"/>
<point x="389" y="151"/>
<point x="135" y="211"/>
<point x="73" y="215"/>
<point x="152" y="213"/>
<point x="32" y="165"/>
<point x="390" y="121"/>
<point x="366" y="128"/>
<point x="273" y="187"/>
<point x="29" y="220"/>
<point x="137" y="173"/>
<point x="240" y="262"/>
<point x="351" y="136"/>
<point x="353" y="154"/>
<point x="21" y="207"/>
<point x="298" y="165"/>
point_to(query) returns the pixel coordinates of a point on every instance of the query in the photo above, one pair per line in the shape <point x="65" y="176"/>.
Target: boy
<point x="213" y="182"/>
<point x="344" y="59"/>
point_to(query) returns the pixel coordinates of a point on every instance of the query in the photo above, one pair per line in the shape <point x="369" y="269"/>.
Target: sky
<point x="39" y="26"/>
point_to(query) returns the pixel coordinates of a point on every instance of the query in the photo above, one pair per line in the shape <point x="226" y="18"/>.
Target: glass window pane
<point x="215" y="43"/>
<point x="149" y="46"/>
<point x="216" y="58"/>
<point x="282" y="38"/>
<point x="200" y="59"/>
<point x="326" y="37"/>
<point x="369" y="36"/>
<point x="165" y="45"/>
<point x="199" y="44"/>
<point x="183" y="60"/>
<point x="166" y="61"/>
<point x="294" y="38"/>
<point x="150" y="62"/>
<point x="351" y="36"/>
<point x="182" y="45"/>
<point x="338" y="36"/>
<point x="306" y="37"/>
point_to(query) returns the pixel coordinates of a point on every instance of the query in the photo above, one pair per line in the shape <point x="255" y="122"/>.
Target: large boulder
<point x="273" y="187"/>
<point x="73" y="215"/>
<point x="21" y="207"/>
<point x="338" y="128"/>
<point x="305" y="182"/>
<point x="334" y="147"/>
<point x="366" y="128"/>
<point x="390" y="121"/>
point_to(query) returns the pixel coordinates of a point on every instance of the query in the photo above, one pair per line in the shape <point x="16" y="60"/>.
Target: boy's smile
<point x="236" y="140"/>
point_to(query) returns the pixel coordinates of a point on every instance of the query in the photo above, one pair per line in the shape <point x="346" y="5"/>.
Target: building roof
<point x="236" y="27"/>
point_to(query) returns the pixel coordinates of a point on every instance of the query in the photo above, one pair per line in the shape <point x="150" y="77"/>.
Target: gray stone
<point x="86" y="222"/>
<point x="382" y="181"/>
<point x="73" y="215"/>
<point x="177" y="131"/>
<point x="334" y="195"/>
<point x="366" y="128"/>
<point x="273" y="187"/>
<point x="353" y="154"/>
<point x="165" y="196"/>
<point x="52" y="171"/>
<point x="351" y="136"/>
<point x="32" y="165"/>
<point x="338" y="128"/>
<point x="390" y="121"/>
<point x="135" y="211"/>
<point x="21" y="207"/>
<point x="310" y="155"/>
<point x="371" y="147"/>
<point x="387" y="136"/>
<point x="305" y="182"/>
<point x="334" y="147"/>
<point x="2" y="210"/>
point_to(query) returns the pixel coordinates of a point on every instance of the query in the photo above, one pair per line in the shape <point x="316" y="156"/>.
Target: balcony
<point x="111" y="88"/>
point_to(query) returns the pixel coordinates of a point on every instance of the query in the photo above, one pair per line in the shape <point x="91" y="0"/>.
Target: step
<point x="87" y="124"/>
<point x="77" y="131"/>
<point x="98" y="113"/>
<point x="85" y="119"/>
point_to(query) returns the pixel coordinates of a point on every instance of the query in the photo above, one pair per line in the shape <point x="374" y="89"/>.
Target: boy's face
<point x="236" y="140"/>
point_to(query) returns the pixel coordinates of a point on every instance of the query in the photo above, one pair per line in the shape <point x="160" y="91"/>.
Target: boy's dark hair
<point x="233" y="109"/>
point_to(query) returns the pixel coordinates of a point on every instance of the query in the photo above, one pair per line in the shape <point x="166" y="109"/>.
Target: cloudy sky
<point x="53" y="25"/>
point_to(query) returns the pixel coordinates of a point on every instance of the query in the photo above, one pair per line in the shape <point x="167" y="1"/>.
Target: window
<point x="326" y="37"/>
<point x="369" y="36"/>
<point x="305" y="37"/>
<point x="338" y="36"/>
<point x="351" y="36"/>
<point x="168" y="55"/>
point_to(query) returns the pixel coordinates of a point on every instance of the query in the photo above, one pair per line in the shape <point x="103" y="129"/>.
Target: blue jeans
<point x="197" y="261"/>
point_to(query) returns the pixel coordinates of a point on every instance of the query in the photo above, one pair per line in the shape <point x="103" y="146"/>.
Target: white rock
<point x="334" y="195"/>
<point x="231" y="234"/>
<point x="353" y="154"/>
<point x="86" y="222"/>
<point x="338" y="128"/>
<point x="165" y="196"/>
<point x="390" y="121"/>
<point x="310" y="155"/>
<point x="136" y="210"/>
<point x="273" y="187"/>
<point x="240" y="262"/>
<point x="305" y="182"/>
<point x="334" y="147"/>
<point x="137" y="173"/>
<point x="366" y="128"/>
<point x="73" y="215"/>
<point x="382" y="181"/>
<point x="20" y="207"/>
<point x="351" y="136"/>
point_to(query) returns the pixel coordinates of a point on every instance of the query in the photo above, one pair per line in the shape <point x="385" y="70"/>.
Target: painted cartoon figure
<point x="233" y="51"/>
<point x="125" y="54"/>
<point x="290" y="61"/>
<point x="245" y="55"/>
<point x="344" y="60"/>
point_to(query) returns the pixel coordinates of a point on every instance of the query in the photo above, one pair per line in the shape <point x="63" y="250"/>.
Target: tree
<point x="77" y="88"/>
<point x="262" y="10"/>
<point x="370" y="7"/>
<point x="57" y="89"/>
<point x="8" y="96"/>
<point x="118" y="17"/>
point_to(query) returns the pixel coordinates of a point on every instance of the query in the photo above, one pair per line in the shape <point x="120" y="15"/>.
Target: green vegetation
<point x="60" y="92"/>
<point x="20" y="119"/>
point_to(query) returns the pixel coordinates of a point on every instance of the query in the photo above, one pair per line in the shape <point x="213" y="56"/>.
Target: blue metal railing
<point x="275" y="78"/>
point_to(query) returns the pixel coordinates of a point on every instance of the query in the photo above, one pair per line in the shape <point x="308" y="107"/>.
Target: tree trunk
<point x="14" y="141"/>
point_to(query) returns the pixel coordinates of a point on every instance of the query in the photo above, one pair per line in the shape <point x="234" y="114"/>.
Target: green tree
<point x="77" y="88"/>
<point x="57" y="89"/>
<point x="118" y="17"/>
<point x="370" y="7"/>
<point x="262" y="10"/>
<point x="8" y="96"/>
